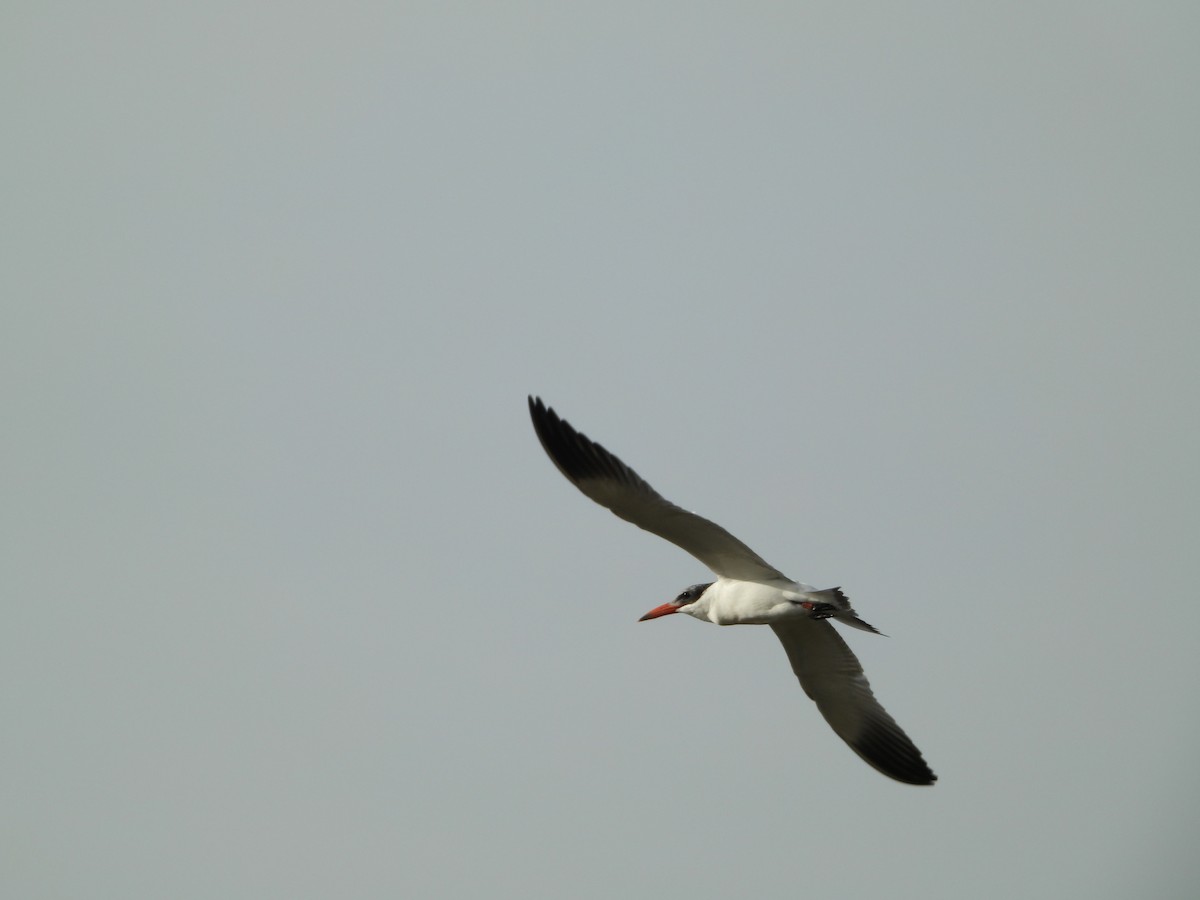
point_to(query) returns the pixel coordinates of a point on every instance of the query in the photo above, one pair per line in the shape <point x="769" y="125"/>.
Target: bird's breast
<point x="750" y="603"/>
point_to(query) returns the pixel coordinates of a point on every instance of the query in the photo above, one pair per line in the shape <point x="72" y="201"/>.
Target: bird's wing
<point x="614" y="485"/>
<point x="832" y="677"/>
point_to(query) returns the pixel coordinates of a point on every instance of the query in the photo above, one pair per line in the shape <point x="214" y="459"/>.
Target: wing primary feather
<point x="832" y="677"/>
<point x="575" y="455"/>
<point x="604" y="478"/>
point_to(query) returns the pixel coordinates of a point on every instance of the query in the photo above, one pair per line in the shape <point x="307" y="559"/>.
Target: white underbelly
<point x="753" y="603"/>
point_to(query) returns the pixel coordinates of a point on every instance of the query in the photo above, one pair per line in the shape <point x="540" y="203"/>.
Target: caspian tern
<point x="748" y="591"/>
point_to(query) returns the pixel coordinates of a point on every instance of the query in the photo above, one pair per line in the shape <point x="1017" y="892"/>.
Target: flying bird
<point x="748" y="591"/>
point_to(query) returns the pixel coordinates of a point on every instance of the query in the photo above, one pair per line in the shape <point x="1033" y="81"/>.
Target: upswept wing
<point x="612" y="484"/>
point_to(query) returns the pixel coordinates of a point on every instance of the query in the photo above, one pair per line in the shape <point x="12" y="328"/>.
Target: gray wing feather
<point x="832" y="677"/>
<point x="612" y="484"/>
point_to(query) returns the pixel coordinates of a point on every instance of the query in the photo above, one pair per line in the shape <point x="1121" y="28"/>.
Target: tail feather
<point x="831" y="603"/>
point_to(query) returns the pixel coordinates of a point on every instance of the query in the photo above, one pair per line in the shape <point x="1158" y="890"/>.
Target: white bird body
<point x="748" y="591"/>
<point x="731" y="601"/>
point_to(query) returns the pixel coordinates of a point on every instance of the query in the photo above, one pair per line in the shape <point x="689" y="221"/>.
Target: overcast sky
<point x="294" y="606"/>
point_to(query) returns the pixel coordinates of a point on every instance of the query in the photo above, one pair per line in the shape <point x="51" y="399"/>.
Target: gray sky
<point x="905" y="295"/>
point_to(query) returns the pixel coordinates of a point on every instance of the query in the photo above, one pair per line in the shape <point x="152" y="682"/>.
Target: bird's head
<point x="685" y="602"/>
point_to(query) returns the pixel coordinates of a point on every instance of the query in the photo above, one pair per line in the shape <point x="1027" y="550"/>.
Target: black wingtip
<point x="575" y="455"/>
<point x="891" y="752"/>
<point x="565" y="446"/>
<point x="543" y="416"/>
<point x="545" y="421"/>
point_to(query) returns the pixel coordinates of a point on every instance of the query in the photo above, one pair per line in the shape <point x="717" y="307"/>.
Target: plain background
<point x="905" y="295"/>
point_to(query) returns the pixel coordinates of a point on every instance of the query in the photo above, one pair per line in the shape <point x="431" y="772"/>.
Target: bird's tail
<point x="831" y="603"/>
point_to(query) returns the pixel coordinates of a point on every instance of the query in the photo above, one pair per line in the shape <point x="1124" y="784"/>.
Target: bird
<point x="747" y="591"/>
